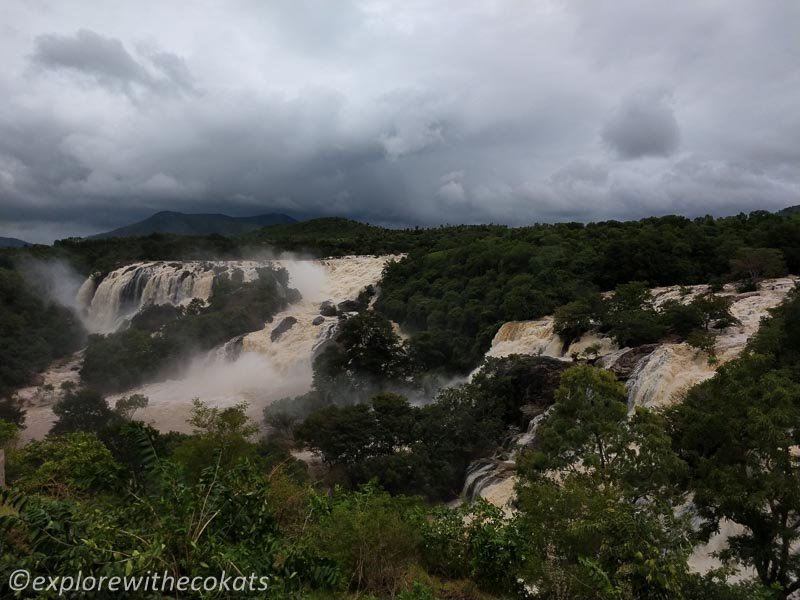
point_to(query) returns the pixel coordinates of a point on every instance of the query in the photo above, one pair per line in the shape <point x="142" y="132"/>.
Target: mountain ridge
<point x="9" y="242"/>
<point x="196" y="224"/>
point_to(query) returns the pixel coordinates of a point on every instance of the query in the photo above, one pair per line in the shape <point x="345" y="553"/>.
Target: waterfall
<point x="657" y="375"/>
<point x="489" y="477"/>
<point x="662" y="377"/>
<point x="258" y="367"/>
<point x="537" y="338"/>
<point x="330" y="281"/>
<point x="122" y="293"/>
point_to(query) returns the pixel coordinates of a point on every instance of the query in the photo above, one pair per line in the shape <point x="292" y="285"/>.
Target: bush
<point x="82" y="410"/>
<point x="373" y="537"/>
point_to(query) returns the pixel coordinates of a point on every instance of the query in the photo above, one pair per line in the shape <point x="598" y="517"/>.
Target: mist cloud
<point x="398" y="114"/>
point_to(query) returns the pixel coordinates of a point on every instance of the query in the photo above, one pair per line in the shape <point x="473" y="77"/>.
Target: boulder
<point x="623" y="367"/>
<point x="318" y="320"/>
<point x="348" y="306"/>
<point x="282" y="328"/>
<point x="327" y="309"/>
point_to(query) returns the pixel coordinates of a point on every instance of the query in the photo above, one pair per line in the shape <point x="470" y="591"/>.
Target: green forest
<point x="608" y="505"/>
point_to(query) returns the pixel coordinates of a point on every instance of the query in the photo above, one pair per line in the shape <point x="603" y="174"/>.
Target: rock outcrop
<point x="284" y="326"/>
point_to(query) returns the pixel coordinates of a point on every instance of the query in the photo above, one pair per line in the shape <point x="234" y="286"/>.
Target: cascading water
<point x="335" y="280"/>
<point x="122" y="293"/>
<point x="259" y="367"/>
<point x="657" y="375"/>
<point x="493" y="478"/>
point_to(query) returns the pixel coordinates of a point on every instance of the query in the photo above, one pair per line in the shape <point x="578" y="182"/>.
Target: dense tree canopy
<point x="739" y="433"/>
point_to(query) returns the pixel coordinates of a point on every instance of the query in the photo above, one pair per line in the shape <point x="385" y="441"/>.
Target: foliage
<point x="82" y="410"/>
<point x="126" y="407"/>
<point x="368" y="356"/>
<point x="737" y="434"/>
<point x="33" y="332"/>
<point x="757" y="263"/>
<point x="459" y="284"/>
<point x="74" y="464"/>
<point x="588" y="541"/>
<point x="426" y="450"/>
<point x="11" y="412"/>
<point x="576" y="318"/>
<point x="220" y="435"/>
<point x="705" y="342"/>
<point x="475" y="541"/>
<point x="372" y="536"/>
<point x="9" y="434"/>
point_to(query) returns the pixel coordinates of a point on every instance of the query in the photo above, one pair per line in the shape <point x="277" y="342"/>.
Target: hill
<point x="196" y="224"/>
<point x="6" y="242"/>
<point x="789" y="210"/>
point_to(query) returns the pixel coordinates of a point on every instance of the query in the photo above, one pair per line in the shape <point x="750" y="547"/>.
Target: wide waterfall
<point x="125" y="291"/>
<point x="259" y="367"/>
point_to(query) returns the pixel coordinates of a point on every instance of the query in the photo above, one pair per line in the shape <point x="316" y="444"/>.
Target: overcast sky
<point x="397" y="113"/>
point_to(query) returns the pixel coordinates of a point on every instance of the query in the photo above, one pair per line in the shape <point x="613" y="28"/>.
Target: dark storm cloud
<point x="643" y="125"/>
<point x="106" y="61"/>
<point x="396" y="113"/>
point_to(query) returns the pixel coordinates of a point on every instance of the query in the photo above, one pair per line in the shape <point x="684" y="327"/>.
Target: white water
<point x="493" y="479"/>
<point x="122" y="293"/>
<point x="334" y="279"/>
<point x="263" y="370"/>
<point x="251" y="368"/>
<point x="658" y="379"/>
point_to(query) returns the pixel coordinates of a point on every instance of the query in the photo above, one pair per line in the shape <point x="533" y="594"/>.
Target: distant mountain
<point x="13" y="243"/>
<point x="790" y="210"/>
<point x="196" y="224"/>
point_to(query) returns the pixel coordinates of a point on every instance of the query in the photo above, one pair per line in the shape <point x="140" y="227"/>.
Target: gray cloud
<point x="411" y="113"/>
<point x="643" y="125"/>
<point x="106" y="61"/>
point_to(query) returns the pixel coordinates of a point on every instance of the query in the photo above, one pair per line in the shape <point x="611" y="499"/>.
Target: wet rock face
<point x="532" y="380"/>
<point x="348" y="306"/>
<point x="327" y="309"/>
<point x="284" y="326"/>
<point x="624" y="366"/>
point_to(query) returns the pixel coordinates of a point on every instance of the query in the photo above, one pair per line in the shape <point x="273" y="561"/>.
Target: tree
<point x="704" y="341"/>
<point x="127" y="406"/>
<point x="373" y="536"/>
<point x="11" y="411"/>
<point x="9" y="434"/>
<point x="70" y="465"/>
<point x="575" y="318"/>
<point x="84" y="410"/>
<point x="758" y="263"/>
<point x="341" y="434"/>
<point x="630" y="317"/>
<point x="737" y="433"/>
<point x="585" y="422"/>
<point x="221" y="438"/>
<point x="594" y="498"/>
<point x="715" y="311"/>
<point x="586" y="541"/>
<point x="681" y="319"/>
